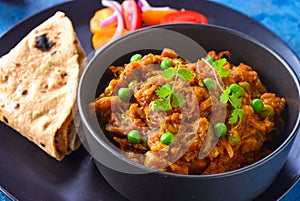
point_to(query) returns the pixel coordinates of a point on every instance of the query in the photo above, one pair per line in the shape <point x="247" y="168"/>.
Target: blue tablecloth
<point x="281" y="16"/>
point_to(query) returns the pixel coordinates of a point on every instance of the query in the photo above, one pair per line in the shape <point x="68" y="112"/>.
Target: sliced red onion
<point x="118" y="10"/>
<point x="144" y="6"/>
<point x="111" y="19"/>
<point x="162" y="8"/>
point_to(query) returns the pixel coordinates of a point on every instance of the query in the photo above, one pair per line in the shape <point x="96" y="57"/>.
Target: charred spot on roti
<point x="18" y="64"/>
<point x="4" y="78"/>
<point x="44" y="88"/>
<point x="53" y="53"/>
<point x="46" y="124"/>
<point x="5" y="119"/>
<point x="43" y="43"/>
<point x="42" y="144"/>
<point x="63" y="74"/>
<point x="24" y="92"/>
<point x="16" y="105"/>
<point x="56" y="82"/>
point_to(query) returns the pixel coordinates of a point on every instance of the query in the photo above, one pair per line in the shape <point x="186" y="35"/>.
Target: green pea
<point x="135" y="57"/>
<point x="166" y="63"/>
<point x="209" y="83"/>
<point x="220" y="129"/>
<point x="167" y="138"/>
<point x="134" y="136"/>
<point x="132" y="84"/>
<point x="267" y="111"/>
<point x="246" y="86"/>
<point x="236" y="89"/>
<point x="124" y="94"/>
<point x="234" y="138"/>
<point x="257" y="105"/>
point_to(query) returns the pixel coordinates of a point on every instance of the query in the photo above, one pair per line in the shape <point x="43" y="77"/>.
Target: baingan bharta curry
<point x="205" y="117"/>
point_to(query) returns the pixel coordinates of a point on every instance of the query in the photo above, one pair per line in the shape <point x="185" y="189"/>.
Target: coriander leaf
<point x="236" y="115"/>
<point x="240" y="113"/>
<point x="178" y="99"/>
<point x="210" y="60"/>
<point x="169" y="73"/>
<point x="219" y="63"/>
<point x="225" y="95"/>
<point x="164" y="91"/>
<point x="163" y="105"/>
<point x="223" y="72"/>
<point x="235" y="100"/>
<point x="185" y="74"/>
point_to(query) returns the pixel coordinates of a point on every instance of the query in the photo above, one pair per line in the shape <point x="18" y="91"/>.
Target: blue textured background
<point x="280" y="16"/>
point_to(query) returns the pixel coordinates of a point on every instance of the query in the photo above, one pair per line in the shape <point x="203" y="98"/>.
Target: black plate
<point x="29" y="174"/>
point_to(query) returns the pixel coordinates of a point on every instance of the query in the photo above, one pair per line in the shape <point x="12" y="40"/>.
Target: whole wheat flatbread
<point x="38" y="86"/>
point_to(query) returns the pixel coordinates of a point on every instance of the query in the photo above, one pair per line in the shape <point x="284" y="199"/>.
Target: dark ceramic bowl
<point x="137" y="182"/>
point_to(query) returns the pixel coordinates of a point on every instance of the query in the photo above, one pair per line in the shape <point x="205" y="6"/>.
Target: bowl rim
<point x="291" y="136"/>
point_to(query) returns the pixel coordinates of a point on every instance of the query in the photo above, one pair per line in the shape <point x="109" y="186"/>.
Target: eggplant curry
<point x="172" y="115"/>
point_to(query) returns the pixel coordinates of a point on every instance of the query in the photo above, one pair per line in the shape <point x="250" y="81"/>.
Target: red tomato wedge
<point x="132" y="15"/>
<point x="184" y="16"/>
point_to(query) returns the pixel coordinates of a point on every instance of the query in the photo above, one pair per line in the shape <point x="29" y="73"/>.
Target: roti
<point x="38" y="86"/>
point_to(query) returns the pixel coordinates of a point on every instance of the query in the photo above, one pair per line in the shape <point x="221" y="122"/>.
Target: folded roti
<point x="38" y="86"/>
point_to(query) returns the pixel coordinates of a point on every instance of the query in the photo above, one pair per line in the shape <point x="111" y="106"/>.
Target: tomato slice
<point x="131" y="15"/>
<point x="184" y="16"/>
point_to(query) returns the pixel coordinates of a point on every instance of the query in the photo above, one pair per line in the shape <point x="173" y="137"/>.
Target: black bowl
<point x="191" y="41"/>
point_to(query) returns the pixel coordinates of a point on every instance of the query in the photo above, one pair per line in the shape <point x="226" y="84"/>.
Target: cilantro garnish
<point x="163" y="105"/>
<point x="218" y="64"/>
<point x="184" y="74"/>
<point x="236" y="101"/>
<point x="178" y="99"/>
<point x="166" y="92"/>
<point x="169" y="73"/>
<point x="227" y="94"/>
<point x="237" y="115"/>
<point x="167" y="95"/>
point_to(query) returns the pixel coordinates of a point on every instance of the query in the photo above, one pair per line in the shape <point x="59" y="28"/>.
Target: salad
<point x="116" y="19"/>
